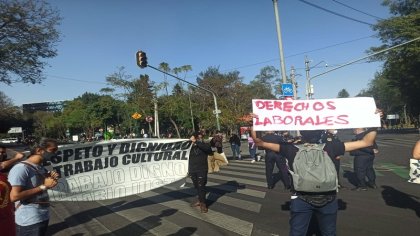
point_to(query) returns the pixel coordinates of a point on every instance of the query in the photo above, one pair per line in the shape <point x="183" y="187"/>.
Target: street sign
<point x="136" y="116"/>
<point x="287" y="90"/>
<point x="149" y="119"/>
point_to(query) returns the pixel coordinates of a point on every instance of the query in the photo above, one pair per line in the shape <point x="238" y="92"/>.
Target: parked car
<point x="244" y="136"/>
<point x="9" y="140"/>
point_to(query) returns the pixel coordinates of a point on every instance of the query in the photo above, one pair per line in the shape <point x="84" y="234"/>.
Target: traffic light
<point x="141" y="59"/>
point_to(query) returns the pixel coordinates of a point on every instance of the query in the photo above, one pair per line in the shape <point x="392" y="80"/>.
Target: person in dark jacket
<point x="198" y="168"/>
<point x="330" y="136"/>
<point x="272" y="158"/>
<point x="363" y="163"/>
<point x="235" y="144"/>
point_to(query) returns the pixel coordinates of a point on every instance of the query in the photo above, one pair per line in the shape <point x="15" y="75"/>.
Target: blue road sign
<point x="287" y="90"/>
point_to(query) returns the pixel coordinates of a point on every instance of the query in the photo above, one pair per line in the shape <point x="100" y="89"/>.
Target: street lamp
<point x="309" y="86"/>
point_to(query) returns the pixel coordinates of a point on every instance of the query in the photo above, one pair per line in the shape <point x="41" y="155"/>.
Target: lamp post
<point x="282" y="66"/>
<point x="309" y="87"/>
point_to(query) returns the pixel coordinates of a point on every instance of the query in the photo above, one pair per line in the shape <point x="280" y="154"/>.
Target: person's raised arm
<point x="416" y="151"/>
<point x="260" y="143"/>
<point x="8" y="163"/>
<point x="368" y="140"/>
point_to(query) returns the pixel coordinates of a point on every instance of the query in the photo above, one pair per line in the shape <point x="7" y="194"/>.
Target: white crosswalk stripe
<point x="229" y="188"/>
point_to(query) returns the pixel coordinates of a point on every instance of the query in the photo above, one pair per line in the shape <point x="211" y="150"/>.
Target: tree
<point x="387" y="97"/>
<point x="269" y="77"/>
<point x="10" y="115"/>
<point x="28" y="35"/>
<point x="343" y="94"/>
<point x="401" y="68"/>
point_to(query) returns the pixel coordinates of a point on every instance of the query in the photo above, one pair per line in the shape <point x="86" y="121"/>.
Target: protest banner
<point x="339" y="113"/>
<point x="114" y="169"/>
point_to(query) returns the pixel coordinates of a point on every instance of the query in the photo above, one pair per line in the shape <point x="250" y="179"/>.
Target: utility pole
<point x="282" y="66"/>
<point x="293" y="78"/>
<point x="308" y="84"/>
<point x="157" y="133"/>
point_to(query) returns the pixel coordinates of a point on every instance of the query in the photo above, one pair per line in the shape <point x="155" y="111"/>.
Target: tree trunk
<point x="176" y="127"/>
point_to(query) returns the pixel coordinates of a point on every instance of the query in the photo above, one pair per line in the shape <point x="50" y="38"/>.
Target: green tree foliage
<point x="90" y="112"/>
<point x="28" y="35"/>
<point x="48" y="124"/>
<point x="387" y="97"/>
<point x="10" y="115"/>
<point x="401" y="68"/>
<point x="343" y="94"/>
<point x="269" y="77"/>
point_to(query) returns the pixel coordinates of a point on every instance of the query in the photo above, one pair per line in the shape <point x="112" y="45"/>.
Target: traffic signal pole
<point x="362" y="58"/>
<point x="194" y="85"/>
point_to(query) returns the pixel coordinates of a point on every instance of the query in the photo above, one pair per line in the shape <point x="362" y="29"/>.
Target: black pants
<point x="280" y="162"/>
<point x="363" y="167"/>
<point x="199" y="180"/>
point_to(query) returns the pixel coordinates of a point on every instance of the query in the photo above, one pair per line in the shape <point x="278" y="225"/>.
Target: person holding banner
<point x="416" y="151"/>
<point x="30" y="182"/>
<point x="303" y="204"/>
<point x="198" y="168"/>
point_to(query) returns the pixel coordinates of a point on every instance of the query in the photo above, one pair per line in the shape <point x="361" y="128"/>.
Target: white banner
<point x="339" y="113"/>
<point x="114" y="169"/>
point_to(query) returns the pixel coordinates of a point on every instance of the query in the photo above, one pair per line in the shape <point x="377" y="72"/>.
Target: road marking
<point x="221" y="220"/>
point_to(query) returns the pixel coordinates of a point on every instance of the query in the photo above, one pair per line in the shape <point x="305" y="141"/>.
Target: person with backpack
<point x="315" y="182"/>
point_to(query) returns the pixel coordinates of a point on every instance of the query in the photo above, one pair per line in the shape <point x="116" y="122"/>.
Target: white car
<point x="244" y="136"/>
<point x="9" y="140"/>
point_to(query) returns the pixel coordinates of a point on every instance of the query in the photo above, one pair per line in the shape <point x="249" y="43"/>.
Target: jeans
<point x="235" y="150"/>
<point x="253" y="152"/>
<point x="38" y="229"/>
<point x="301" y="213"/>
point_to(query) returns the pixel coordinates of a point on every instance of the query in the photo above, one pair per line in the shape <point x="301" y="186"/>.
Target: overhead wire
<point x="335" y="13"/>
<point x="365" y="13"/>
<point x="236" y="68"/>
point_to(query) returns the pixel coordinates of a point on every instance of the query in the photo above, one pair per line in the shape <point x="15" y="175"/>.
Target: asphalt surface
<point x="240" y="203"/>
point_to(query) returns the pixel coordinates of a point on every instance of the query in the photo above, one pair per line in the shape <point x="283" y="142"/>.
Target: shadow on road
<point x="217" y="191"/>
<point x="147" y="223"/>
<point x="396" y="198"/>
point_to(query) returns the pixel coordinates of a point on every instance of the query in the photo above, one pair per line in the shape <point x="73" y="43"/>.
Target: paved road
<point x="240" y="204"/>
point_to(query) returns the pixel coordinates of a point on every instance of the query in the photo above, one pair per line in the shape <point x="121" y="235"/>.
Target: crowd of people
<point x="24" y="201"/>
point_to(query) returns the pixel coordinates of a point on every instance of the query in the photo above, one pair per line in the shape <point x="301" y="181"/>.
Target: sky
<point x="100" y="36"/>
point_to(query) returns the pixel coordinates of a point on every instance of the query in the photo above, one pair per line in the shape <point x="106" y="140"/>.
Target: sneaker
<point x="373" y="186"/>
<point x="252" y="161"/>
<point x="258" y="158"/>
<point x="359" y="189"/>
